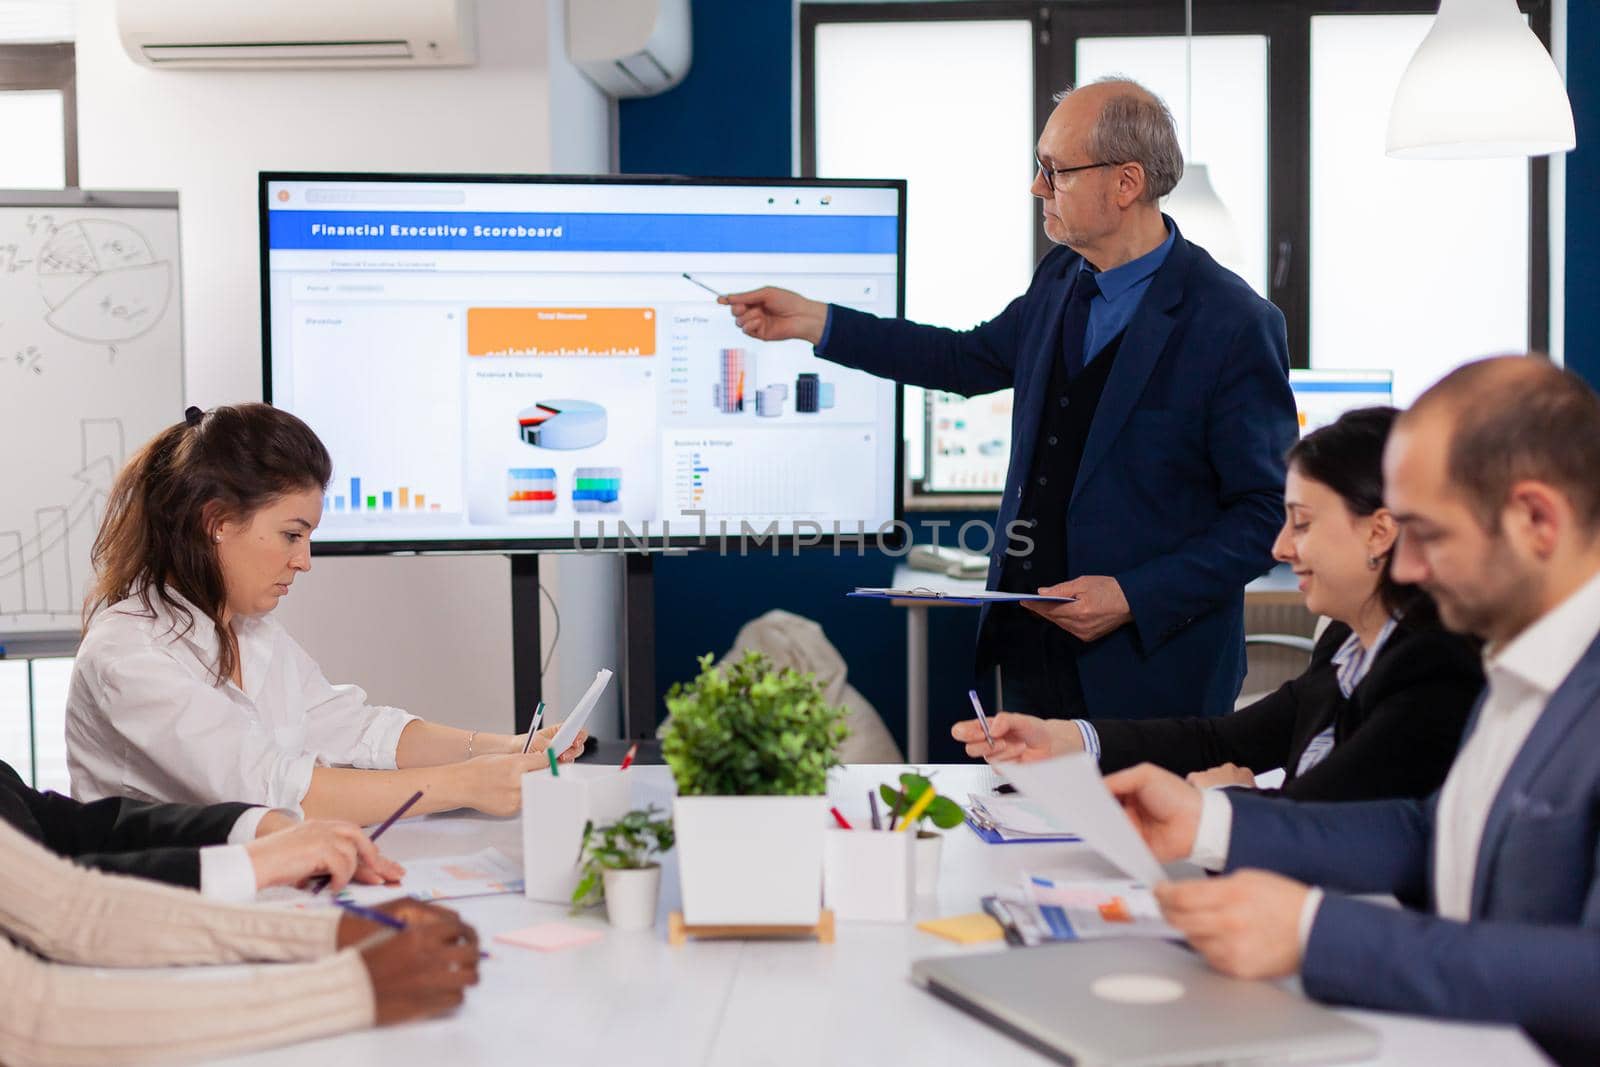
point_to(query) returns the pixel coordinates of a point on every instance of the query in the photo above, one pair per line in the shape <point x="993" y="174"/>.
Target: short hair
<point x="1135" y="126"/>
<point x="1519" y="418"/>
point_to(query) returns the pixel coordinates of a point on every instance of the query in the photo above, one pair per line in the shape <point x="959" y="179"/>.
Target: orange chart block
<point x="561" y="331"/>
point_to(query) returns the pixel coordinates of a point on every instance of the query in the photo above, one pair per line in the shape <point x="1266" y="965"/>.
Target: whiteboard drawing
<point x="83" y="276"/>
<point x="42" y="569"/>
<point x="102" y="281"/>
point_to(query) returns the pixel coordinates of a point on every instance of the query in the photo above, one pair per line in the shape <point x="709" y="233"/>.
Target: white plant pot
<point x="554" y="811"/>
<point x="929" y="848"/>
<point x="868" y="875"/>
<point x="631" y="896"/>
<point x="750" y="860"/>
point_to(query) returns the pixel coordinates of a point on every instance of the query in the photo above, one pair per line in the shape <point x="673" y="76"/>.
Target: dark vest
<point x="1063" y="431"/>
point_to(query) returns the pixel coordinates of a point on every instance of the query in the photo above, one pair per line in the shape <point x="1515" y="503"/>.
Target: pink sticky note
<point x="551" y="937"/>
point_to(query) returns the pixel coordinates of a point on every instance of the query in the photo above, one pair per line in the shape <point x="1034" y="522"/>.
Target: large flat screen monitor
<point x="511" y="363"/>
<point x="1321" y="396"/>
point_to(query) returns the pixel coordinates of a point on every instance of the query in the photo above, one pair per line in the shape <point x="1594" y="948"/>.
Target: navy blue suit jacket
<point x="1180" y="490"/>
<point x="1530" y="955"/>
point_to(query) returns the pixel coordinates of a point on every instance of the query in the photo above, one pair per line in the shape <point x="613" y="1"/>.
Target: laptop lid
<point x="1134" y="1003"/>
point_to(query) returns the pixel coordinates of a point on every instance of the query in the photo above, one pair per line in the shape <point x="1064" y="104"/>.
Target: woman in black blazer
<point x="1380" y="709"/>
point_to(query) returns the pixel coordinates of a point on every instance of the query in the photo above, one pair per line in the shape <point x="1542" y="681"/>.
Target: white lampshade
<point x="1481" y="85"/>
<point x="1202" y="216"/>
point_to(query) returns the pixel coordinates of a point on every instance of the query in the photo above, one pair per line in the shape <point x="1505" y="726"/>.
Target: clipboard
<point x="975" y="598"/>
<point x="989" y="829"/>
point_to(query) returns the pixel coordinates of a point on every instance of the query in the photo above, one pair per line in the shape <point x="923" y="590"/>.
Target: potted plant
<point x="941" y="811"/>
<point x="619" y="866"/>
<point x="750" y="748"/>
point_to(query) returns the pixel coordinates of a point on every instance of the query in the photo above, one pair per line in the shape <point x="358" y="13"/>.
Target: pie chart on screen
<point x="562" y="424"/>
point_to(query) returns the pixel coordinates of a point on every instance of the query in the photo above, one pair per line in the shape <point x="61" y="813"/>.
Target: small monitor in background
<point x="1321" y="396"/>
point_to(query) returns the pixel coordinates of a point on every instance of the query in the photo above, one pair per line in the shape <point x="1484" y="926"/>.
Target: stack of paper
<point x="1046" y="907"/>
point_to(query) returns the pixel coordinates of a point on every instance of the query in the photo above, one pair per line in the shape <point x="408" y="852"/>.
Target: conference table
<point x="632" y="998"/>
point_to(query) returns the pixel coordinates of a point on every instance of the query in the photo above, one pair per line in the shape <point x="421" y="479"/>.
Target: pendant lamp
<point x="1481" y="85"/>
<point x="1193" y="202"/>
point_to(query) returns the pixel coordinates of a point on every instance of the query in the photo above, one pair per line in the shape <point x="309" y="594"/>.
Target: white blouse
<point x="146" y="718"/>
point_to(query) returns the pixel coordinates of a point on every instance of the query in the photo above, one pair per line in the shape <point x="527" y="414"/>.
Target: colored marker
<point x="627" y="760"/>
<point x="872" y="799"/>
<point x="917" y="809"/>
<point x="844" y="824"/>
<point x="894" y="812"/>
<point x="554" y="772"/>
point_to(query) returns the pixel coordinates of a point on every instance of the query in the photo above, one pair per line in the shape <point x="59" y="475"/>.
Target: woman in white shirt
<point x="186" y="689"/>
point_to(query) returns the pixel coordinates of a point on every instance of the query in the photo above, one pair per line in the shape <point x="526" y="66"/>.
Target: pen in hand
<point x="983" y="720"/>
<point x="533" y="727"/>
<point x="381" y="918"/>
<point x="320" y="882"/>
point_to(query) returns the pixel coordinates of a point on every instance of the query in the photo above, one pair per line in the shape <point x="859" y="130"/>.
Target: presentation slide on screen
<point x="495" y="360"/>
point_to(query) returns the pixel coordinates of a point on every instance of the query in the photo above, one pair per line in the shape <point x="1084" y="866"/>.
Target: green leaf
<point x="945" y="813"/>
<point x="745" y="729"/>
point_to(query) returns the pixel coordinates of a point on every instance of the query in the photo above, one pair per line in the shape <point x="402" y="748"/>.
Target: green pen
<point x="554" y="773"/>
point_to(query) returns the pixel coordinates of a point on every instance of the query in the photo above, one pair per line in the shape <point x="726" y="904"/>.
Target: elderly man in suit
<point x="1152" y="416"/>
<point x="1494" y="477"/>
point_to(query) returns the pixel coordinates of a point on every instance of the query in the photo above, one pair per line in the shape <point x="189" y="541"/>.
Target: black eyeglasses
<point x="1051" y="172"/>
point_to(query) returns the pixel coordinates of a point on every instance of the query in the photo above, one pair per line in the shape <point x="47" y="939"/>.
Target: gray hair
<point x="1136" y="127"/>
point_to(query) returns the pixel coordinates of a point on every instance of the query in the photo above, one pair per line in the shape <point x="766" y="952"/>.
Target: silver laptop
<point x="1135" y="1003"/>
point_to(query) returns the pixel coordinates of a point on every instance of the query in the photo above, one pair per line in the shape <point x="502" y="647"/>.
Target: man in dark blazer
<point x="1494" y="477"/>
<point x="1152" y="415"/>
<point x="225" y="850"/>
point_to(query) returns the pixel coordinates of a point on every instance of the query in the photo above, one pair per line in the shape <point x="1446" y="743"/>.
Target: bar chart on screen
<point x="768" y="475"/>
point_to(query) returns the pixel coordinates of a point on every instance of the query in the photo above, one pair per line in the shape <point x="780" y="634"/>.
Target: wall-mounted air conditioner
<point x="267" y="34"/>
<point x="630" y="47"/>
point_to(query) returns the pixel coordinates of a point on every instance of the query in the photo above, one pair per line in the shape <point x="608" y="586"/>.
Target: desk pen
<point x="381" y="918"/>
<point x="983" y="720"/>
<point x="533" y="727"/>
<point x="323" y="880"/>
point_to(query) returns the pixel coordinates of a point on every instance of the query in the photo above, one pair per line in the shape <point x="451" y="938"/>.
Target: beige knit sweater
<point x="54" y="1014"/>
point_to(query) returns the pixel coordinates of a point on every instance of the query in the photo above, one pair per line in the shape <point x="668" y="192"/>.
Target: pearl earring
<point x="217" y="538"/>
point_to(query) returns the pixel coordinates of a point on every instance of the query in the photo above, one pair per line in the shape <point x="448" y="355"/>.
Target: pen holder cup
<point x="869" y="875"/>
<point x="554" y="811"/>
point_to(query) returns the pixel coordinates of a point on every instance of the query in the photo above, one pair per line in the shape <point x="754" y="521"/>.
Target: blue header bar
<point x="461" y="231"/>
<point x="1376" y="385"/>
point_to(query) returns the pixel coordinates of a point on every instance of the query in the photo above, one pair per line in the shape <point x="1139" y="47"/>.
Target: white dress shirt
<point x="226" y="872"/>
<point x="147" y="719"/>
<point x="1521" y="677"/>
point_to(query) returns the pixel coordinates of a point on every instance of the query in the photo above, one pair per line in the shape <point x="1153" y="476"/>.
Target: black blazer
<point x="1395" y="736"/>
<point x="156" y="841"/>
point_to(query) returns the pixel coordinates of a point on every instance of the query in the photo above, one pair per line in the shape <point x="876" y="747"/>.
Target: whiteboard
<point x="91" y="367"/>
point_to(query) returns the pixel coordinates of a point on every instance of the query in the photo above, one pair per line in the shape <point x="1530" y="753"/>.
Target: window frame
<point x="1286" y="24"/>
<point x="49" y="67"/>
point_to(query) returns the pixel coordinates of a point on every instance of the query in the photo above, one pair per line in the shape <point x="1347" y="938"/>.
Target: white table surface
<point x="631" y="998"/>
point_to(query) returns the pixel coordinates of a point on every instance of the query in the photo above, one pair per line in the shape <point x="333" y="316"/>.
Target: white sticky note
<point x="1071" y="792"/>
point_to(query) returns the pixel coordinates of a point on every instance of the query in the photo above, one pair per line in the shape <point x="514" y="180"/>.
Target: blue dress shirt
<point x="1121" y="289"/>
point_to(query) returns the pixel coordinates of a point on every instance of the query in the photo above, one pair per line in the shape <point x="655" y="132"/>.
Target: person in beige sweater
<point x="337" y="972"/>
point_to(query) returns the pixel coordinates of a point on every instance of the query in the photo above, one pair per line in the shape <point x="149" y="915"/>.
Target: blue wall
<point x="730" y="118"/>
<point x="1583" y="181"/>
